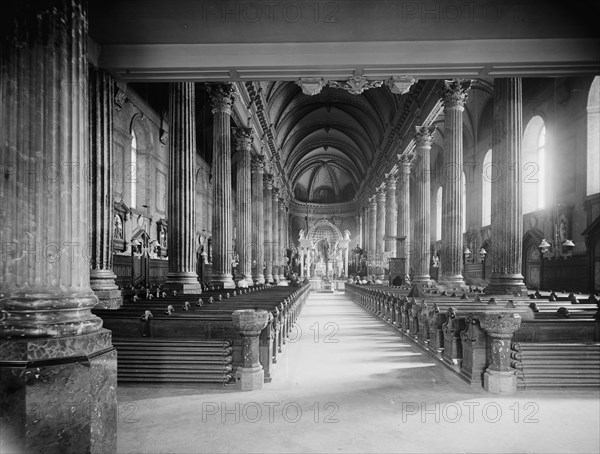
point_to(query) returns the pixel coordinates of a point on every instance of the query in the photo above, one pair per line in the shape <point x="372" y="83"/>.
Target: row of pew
<point x="199" y="321"/>
<point x="446" y="324"/>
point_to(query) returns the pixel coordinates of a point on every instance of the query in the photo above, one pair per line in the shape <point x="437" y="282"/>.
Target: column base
<point x="259" y="280"/>
<point x="251" y="378"/>
<point x="103" y="284"/>
<point x="223" y="280"/>
<point x="269" y="279"/>
<point x="183" y="283"/>
<point x="421" y="279"/>
<point x="452" y="280"/>
<point x="506" y="284"/>
<point x="59" y="394"/>
<point x="500" y="382"/>
<point x="283" y="283"/>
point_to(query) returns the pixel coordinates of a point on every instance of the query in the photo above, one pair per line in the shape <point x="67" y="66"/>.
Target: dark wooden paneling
<point x="570" y="274"/>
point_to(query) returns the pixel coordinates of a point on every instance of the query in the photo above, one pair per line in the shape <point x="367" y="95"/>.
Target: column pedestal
<point x="249" y="324"/>
<point x="59" y="394"/>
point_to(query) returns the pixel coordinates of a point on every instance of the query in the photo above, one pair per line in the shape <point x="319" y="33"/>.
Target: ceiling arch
<point x="327" y="141"/>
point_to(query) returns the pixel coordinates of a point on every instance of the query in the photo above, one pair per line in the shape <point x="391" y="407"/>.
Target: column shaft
<point x="268" y="226"/>
<point x="380" y="232"/>
<point x="372" y="234"/>
<point x="403" y="229"/>
<point x="391" y="217"/>
<point x="54" y="353"/>
<point x="258" y="220"/>
<point x="222" y="97"/>
<point x="102" y="278"/>
<point x="507" y="208"/>
<point x="275" y="221"/>
<point x="182" y="192"/>
<point x="282" y="240"/>
<point x="455" y="95"/>
<point x="422" y="223"/>
<point x="243" y="138"/>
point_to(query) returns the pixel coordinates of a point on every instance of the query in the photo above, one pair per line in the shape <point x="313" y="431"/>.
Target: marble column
<point x="243" y="141"/>
<point x="380" y="232"/>
<point x="222" y="97"/>
<point x="391" y="217"/>
<point x="403" y="221"/>
<point x="507" y="204"/>
<point x="275" y="236"/>
<point x="455" y="95"/>
<point x="258" y="220"/>
<point x="282" y="240"/>
<point x="249" y="323"/>
<point x="102" y="278"/>
<point x="57" y="364"/>
<point x="268" y="226"/>
<point x="422" y="222"/>
<point x="182" y="191"/>
<point x="372" y="234"/>
<point x="499" y="377"/>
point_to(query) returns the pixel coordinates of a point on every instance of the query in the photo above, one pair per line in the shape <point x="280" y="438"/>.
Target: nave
<point x="351" y="383"/>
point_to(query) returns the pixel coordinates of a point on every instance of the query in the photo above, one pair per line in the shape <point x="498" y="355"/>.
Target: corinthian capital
<point x="243" y="138"/>
<point x="222" y="96"/>
<point x="455" y="92"/>
<point x="404" y="162"/>
<point x="424" y="135"/>
<point x="258" y="162"/>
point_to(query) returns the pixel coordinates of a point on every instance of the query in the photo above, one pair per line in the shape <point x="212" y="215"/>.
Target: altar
<point x="324" y="251"/>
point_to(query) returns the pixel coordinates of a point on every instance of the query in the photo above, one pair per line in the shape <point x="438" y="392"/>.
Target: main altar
<point x="323" y="253"/>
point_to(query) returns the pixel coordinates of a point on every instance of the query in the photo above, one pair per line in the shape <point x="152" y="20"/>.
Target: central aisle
<point x="347" y="382"/>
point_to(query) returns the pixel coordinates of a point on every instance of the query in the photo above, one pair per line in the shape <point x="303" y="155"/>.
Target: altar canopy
<point x="324" y="250"/>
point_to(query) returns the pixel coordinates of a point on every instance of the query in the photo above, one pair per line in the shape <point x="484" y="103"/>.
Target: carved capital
<point x="390" y="181"/>
<point x="268" y="180"/>
<point x="373" y="203"/>
<point x="381" y="194"/>
<point x="243" y="138"/>
<point x="455" y="93"/>
<point x="500" y="323"/>
<point x="404" y="162"/>
<point x="222" y="96"/>
<point x="258" y="163"/>
<point x="400" y="85"/>
<point x="275" y="193"/>
<point x="424" y="136"/>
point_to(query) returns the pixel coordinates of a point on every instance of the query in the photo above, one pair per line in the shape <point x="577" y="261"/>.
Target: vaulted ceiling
<point x="328" y="140"/>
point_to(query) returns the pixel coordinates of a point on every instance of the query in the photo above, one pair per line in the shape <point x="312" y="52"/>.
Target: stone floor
<point x="350" y="383"/>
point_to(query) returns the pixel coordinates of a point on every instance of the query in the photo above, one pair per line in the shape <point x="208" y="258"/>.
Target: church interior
<point x="309" y="226"/>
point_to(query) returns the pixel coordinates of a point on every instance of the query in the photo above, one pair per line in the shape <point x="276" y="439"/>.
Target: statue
<point x="118" y="229"/>
<point x="326" y="250"/>
<point x="301" y="234"/>
<point x="346" y="234"/>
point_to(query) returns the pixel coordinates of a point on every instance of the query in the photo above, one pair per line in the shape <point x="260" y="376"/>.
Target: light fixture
<point x="467" y="252"/>
<point x="548" y="252"/>
<point x="482" y="254"/>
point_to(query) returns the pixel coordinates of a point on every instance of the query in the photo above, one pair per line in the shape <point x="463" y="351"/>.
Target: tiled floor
<point x="350" y="383"/>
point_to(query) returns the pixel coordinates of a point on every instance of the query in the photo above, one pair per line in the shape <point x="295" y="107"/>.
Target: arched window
<point x="132" y="169"/>
<point x="438" y="215"/>
<point x="534" y="165"/>
<point x="464" y="203"/>
<point x="486" y="190"/>
<point x="593" y="136"/>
